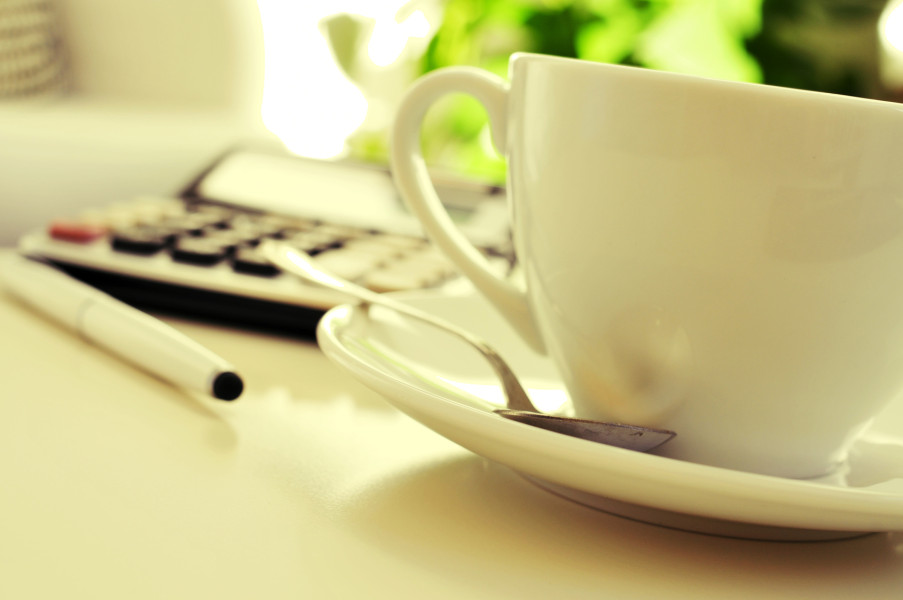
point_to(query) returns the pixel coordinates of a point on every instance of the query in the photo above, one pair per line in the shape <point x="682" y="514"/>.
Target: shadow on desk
<point x="495" y="517"/>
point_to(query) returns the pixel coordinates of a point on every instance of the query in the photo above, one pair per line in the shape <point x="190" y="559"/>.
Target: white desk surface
<point x="114" y="484"/>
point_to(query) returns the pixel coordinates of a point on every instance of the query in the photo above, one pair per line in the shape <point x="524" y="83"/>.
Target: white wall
<point x="158" y="89"/>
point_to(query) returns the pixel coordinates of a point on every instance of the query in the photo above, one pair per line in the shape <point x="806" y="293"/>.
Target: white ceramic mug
<point x="718" y="258"/>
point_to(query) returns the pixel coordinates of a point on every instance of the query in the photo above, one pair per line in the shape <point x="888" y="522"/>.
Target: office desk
<point x="114" y="484"/>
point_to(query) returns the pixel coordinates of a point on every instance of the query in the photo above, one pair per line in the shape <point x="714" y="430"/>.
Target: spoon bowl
<point x="519" y="406"/>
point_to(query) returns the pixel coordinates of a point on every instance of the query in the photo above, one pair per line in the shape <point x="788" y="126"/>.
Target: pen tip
<point x="227" y="386"/>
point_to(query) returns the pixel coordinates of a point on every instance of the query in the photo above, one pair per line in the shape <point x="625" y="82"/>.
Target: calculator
<point x="196" y="253"/>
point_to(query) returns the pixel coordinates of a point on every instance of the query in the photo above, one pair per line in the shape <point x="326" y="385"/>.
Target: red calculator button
<point x="74" y="231"/>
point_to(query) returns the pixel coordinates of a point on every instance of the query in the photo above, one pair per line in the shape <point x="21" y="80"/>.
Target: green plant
<point x="697" y="36"/>
<point x="824" y="45"/>
<point x="781" y="42"/>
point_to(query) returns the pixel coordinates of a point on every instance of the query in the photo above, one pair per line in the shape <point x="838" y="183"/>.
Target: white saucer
<point x="439" y="381"/>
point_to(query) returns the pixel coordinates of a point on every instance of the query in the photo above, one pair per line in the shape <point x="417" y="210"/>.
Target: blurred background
<point x="827" y="45"/>
<point x="104" y="99"/>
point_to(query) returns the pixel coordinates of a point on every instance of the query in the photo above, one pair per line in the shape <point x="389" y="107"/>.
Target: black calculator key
<point x="142" y="239"/>
<point x="199" y="250"/>
<point x="250" y="260"/>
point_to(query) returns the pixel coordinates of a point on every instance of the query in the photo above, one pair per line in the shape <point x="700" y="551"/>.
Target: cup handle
<point x="415" y="186"/>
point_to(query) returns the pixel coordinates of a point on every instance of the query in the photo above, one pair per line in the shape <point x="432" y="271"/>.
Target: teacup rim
<point x="759" y="88"/>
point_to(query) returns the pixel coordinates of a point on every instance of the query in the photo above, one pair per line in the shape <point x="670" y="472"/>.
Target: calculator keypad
<point x="207" y="235"/>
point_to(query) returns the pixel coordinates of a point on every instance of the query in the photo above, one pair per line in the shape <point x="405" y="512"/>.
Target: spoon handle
<point x="294" y="261"/>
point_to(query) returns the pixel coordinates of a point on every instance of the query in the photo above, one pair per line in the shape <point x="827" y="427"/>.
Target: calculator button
<point x="419" y="269"/>
<point x="348" y="264"/>
<point x="376" y="246"/>
<point x="401" y="242"/>
<point x="76" y="231"/>
<point x="142" y="239"/>
<point x="221" y="213"/>
<point x="195" y="222"/>
<point x="340" y="233"/>
<point x="199" y="250"/>
<point x="256" y="226"/>
<point x="142" y="214"/>
<point x="230" y="237"/>
<point x="313" y="242"/>
<point x="430" y="259"/>
<point x="250" y="260"/>
<point x="394" y="279"/>
<point x="282" y="223"/>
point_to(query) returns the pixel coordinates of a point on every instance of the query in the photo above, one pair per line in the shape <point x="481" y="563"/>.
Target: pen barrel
<point x="132" y="335"/>
<point x="151" y="345"/>
<point x="47" y="290"/>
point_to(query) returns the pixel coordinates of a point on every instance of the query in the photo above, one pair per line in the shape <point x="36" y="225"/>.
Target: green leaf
<point x="611" y="39"/>
<point x="703" y="37"/>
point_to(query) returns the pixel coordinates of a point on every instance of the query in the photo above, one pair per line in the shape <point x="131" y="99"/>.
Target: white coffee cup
<point x="718" y="258"/>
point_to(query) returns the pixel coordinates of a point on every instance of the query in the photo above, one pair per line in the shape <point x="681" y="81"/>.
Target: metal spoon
<point x="519" y="407"/>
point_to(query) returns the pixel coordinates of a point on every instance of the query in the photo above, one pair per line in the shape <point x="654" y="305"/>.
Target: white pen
<point x="122" y="330"/>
